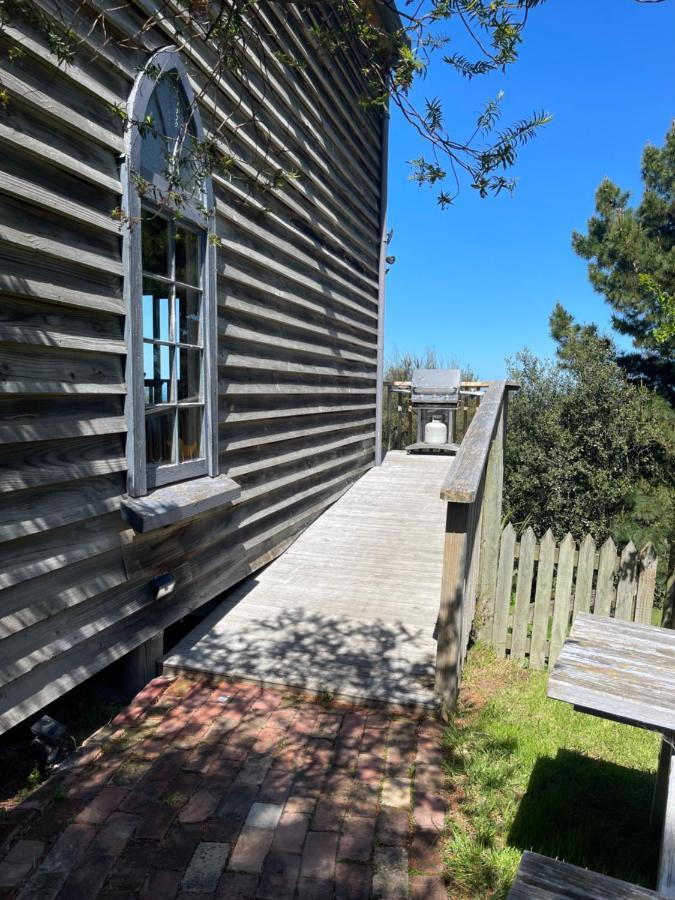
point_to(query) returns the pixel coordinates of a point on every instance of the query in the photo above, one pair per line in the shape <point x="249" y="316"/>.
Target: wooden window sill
<point x="176" y="502"/>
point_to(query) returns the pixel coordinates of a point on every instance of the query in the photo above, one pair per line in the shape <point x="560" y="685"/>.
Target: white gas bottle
<point x="435" y="432"/>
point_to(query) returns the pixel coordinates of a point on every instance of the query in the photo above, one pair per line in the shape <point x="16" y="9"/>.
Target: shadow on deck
<point x="350" y="608"/>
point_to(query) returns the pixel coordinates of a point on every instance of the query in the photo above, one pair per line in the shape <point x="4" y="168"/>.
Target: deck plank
<point x="351" y="606"/>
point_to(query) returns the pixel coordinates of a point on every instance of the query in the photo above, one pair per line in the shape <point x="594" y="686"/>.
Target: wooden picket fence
<point x="539" y="587"/>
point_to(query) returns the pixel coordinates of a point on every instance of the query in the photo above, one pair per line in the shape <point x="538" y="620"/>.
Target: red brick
<point x="345" y="754"/>
<point x="304" y="805"/>
<point x="185" y="783"/>
<point x="156" y="821"/>
<point x="90" y="782"/>
<point x="268" y="701"/>
<point x="424" y="853"/>
<point x="429" y="810"/>
<point x="113" y="837"/>
<point x="177" y="848"/>
<point x="290" y="833"/>
<point x="351" y="730"/>
<point x="328" y="815"/>
<point x="320" y="751"/>
<point x="370" y="767"/>
<point x="309" y="782"/>
<point x="352" y="881"/>
<point x="279" y="876"/>
<point x="202" y="805"/>
<point x="276" y="786"/>
<point x="86" y="880"/>
<point x="251" y="849"/>
<point x="328" y="725"/>
<point x="364" y="800"/>
<point x="167" y="766"/>
<point x="378" y="720"/>
<point x="339" y="785"/>
<point x="162" y="883"/>
<point x="237" y="802"/>
<point x="21" y="859"/>
<point x="51" y="823"/>
<point x="357" y="839"/>
<point x="314" y="889"/>
<point x="237" y="886"/>
<point x="392" y="827"/>
<point x="100" y="808"/>
<point x="319" y="855"/>
<point x="425" y="887"/>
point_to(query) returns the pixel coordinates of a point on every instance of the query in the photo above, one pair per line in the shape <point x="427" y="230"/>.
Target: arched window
<point x="169" y="284"/>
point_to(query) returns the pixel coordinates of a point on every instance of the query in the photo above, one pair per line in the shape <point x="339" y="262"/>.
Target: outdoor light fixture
<point x="390" y="260"/>
<point x="51" y="743"/>
<point x="163" y="585"/>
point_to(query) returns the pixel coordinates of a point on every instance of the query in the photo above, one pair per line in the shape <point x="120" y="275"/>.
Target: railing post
<point x="449" y="647"/>
<point x="464" y="490"/>
<point x="491" y="529"/>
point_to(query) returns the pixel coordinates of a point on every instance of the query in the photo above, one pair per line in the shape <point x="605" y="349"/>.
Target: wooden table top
<point x="619" y="670"/>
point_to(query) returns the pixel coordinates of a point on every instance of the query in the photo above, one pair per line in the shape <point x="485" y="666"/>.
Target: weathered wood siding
<point x="297" y="333"/>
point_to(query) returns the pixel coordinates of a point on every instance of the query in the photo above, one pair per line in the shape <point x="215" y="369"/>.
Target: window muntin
<point x="173" y="348"/>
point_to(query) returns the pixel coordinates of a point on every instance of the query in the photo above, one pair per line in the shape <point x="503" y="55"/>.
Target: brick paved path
<point x="199" y="792"/>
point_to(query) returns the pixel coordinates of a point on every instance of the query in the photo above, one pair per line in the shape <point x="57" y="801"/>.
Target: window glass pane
<point x="157" y="373"/>
<point x="155" y="152"/>
<point x="190" y="433"/>
<point x="159" y="437"/>
<point x="166" y="95"/>
<point x="155" y="239"/>
<point x="189" y="374"/>
<point x="155" y="310"/>
<point x="187" y="256"/>
<point x="188" y="308"/>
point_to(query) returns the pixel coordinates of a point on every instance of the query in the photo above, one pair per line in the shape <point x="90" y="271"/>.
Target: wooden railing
<point x="473" y="491"/>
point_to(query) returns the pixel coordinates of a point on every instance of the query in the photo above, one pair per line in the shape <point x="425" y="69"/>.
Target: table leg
<point x="663" y="814"/>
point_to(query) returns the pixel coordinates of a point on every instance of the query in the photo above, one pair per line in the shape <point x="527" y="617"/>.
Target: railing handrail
<point x="462" y="483"/>
<point x="463" y="384"/>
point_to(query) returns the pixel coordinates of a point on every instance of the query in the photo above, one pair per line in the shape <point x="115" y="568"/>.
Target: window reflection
<point x="188" y="316"/>
<point x="157" y="373"/>
<point x="190" y="432"/>
<point x="156" y="311"/>
<point x="159" y="429"/>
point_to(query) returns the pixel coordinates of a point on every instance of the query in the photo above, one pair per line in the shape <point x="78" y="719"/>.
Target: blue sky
<point x="478" y="281"/>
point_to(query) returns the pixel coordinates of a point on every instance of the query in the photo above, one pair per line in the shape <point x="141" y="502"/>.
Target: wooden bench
<point x="549" y="879"/>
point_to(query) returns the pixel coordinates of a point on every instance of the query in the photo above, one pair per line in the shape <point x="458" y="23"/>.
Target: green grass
<point x="529" y="773"/>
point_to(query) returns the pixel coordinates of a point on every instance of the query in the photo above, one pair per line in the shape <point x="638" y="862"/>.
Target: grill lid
<point x="435" y="385"/>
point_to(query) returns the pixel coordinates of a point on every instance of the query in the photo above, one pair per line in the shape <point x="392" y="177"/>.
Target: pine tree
<point x="631" y="253"/>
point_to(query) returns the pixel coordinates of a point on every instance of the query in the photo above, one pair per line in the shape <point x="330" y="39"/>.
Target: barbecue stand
<point x="434" y="392"/>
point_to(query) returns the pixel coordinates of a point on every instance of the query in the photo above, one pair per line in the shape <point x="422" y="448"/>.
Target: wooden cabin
<point x="181" y="395"/>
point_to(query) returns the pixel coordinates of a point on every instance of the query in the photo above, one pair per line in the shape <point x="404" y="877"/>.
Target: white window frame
<point x="161" y="63"/>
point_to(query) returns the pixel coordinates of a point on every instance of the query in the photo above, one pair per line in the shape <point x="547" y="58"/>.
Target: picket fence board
<point x="504" y="585"/>
<point x="646" y="585"/>
<point x="563" y="593"/>
<point x="584" y="585"/>
<point x="530" y="623"/>
<point x="542" y="602"/>
<point x="523" y="593"/>
<point x="625" y="590"/>
<point x="605" y="590"/>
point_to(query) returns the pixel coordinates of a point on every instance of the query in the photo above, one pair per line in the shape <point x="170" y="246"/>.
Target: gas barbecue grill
<point x="434" y="395"/>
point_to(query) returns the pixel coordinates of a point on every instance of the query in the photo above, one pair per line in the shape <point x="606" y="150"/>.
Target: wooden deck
<point x="351" y="606"/>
